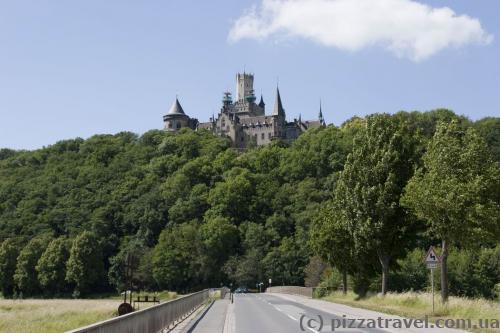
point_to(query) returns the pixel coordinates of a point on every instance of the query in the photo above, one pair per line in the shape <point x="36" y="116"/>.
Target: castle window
<point x="169" y="125"/>
<point x="269" y="135"/>
<point x="263" y="136"/>
<point x="178" y="125"/>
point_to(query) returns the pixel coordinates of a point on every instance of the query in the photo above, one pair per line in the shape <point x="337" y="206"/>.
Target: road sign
<point x="432" y="260"/>
<point x="432" y="265"/>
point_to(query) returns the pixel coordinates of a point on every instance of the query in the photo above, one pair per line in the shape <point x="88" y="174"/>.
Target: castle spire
<point x="261" y="103"/>
<point x="278" y="106"/>
<point x="176" y="107"/>
<point x="320" y="117"/>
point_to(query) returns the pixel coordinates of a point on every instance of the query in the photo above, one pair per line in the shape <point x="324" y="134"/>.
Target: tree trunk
<point x="344" y="282"/>
<point x="444" y="271"/>
<point x="384" y="261"/>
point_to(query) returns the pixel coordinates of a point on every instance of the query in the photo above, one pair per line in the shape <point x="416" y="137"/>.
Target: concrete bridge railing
<point x="224" y="291"/>
<point x="149" y="320"/>
<point x="292" y="290"/>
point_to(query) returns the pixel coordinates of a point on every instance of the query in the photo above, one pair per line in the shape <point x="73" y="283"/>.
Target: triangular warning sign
<point x="431" y="256"/>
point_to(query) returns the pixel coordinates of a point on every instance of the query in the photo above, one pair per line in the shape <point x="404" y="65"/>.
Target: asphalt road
<point x="267" y="313"/>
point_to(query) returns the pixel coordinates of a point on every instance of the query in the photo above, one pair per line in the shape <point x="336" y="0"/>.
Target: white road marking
<point x="292" y="307"/>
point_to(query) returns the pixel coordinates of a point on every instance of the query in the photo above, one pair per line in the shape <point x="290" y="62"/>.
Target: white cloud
<point x="407" y="28"/>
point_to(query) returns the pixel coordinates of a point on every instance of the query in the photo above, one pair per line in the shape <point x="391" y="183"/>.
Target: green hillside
<point x="185" y="211"/>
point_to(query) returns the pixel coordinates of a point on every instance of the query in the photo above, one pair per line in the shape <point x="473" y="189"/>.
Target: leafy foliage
<point x="185" y="211"/>
<point x="51" y="266"/>
<point x="85" y="264"/>
<point x="456" y="191"/>
<point x="9" y="251"/>
<point x="25" y="277"/>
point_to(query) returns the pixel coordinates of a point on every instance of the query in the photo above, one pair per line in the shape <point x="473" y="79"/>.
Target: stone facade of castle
<point x="243" y="120"/>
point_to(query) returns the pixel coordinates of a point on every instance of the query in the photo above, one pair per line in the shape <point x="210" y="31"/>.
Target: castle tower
<point x="278" y="106"/>
<point x="244" y="86"/>
<point x="176" y="119"/>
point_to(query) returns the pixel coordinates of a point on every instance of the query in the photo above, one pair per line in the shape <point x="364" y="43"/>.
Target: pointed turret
<point x="320" y="117"/>
<point x="278" y="107"/>
<point x="261" y="103"/>
<point x="176" y="119"/>
<point x="176" y="108"/>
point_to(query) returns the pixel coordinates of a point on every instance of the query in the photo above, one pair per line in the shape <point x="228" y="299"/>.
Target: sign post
<point x="432" y="261"/>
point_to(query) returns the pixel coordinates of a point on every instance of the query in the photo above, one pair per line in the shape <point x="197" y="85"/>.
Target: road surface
<point x="277" y="313"/>
<point x="269" y="313"/>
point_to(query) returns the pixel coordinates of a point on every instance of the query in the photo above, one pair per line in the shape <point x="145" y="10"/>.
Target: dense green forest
<point x="358" y="203"/>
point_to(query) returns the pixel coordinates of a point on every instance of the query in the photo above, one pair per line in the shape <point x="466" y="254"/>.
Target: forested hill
<point x="190" y="210"/>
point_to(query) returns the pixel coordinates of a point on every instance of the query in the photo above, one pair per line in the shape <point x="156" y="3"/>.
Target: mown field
<point x="58" y="315"/>
<point x="418" y="305"/>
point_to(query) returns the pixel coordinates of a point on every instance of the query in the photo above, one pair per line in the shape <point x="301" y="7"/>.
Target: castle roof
<point x="312" y="124"/>
<point x="261" y="103"/>
<point x="278" y="106"/>
<point x="176" y="108"/>
<point x="256" y="121"/>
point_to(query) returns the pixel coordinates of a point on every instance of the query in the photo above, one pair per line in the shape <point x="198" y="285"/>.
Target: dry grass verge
<point x="418" y="305"/>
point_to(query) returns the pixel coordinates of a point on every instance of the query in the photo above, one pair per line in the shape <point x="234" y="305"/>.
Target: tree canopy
<point x="185" y="211"/>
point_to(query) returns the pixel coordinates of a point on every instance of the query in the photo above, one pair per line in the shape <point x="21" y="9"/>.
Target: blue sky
<point x="76" y="68"/>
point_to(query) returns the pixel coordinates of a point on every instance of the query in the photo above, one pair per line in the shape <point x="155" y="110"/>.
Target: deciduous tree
<point x="51" y="266"/>
<point x="26" y="276"/>
<point x="456" y="191"/>
<point x="9" y="251"/>
<point x="85" y="266"/>
<point x="370" y="187"/>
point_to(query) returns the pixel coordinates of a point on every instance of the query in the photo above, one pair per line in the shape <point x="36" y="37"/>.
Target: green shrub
<point x="411" y="273"/>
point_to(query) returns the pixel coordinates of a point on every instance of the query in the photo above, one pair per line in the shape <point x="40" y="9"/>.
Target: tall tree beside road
<point x="370" y="187"/>
<point x="330" y="239"/>
<point x="456" y="191"/>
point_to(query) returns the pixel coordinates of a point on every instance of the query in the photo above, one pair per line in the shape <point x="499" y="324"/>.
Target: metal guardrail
<point x="293" y="290"/>
<point x="150" y="320"/>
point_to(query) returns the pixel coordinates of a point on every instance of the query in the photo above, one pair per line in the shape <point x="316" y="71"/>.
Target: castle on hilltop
<point x="244" y="121"/>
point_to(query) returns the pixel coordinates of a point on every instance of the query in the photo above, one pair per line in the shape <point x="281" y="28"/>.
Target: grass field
<point x="53" y="315"/>
<point x="58" y="315"/>
<point x="418" y="305"/>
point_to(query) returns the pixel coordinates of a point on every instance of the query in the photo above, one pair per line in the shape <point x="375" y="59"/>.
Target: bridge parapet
<point x="293" y="290"/>
<point x="149" y="320"/>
